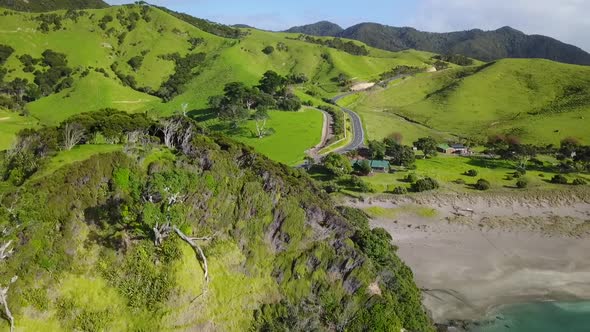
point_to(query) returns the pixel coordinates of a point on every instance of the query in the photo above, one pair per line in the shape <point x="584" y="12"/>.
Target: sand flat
<point x="471" y="263"/>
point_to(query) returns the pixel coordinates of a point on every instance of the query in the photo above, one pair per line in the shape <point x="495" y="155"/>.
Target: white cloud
<point x="566" y="20"/>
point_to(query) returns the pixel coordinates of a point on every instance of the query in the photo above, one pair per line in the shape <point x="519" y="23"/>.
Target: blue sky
<point x="566" y="20"/>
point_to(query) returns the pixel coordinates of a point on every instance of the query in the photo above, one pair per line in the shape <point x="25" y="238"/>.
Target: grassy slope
<point x="228" y="60"/>
<point x="10" y="124"/>
<point x="495" y="100"/>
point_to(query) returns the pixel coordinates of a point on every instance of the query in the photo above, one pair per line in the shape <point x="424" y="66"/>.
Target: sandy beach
<point x="474" y="253"/>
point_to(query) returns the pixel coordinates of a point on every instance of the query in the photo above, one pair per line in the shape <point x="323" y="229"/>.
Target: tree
<point x="337" y="165"/>
<point x="184" y="108"/>
<point x="233" y="113"/>
<point x="169" y="128"/>
<point x="72" y="135"/>
<point x="522" y="183"/>
<point x="559" y="179"/>
<point x="482" y="184"/>
<point x="401" y="155"/>
<point x="268" y="50"/>
<point x="135" y="62"/>
<point x="260" y="118"/>
<point x="377" y="149"/>
<point x="272" y="82"/>
<point x="363" y="167"/>
<point x="426" y="145"/>
<point x="425" y="184"/>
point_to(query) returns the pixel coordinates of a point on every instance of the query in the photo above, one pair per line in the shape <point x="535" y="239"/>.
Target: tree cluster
<point x="457" y="59"/>
<point x="400" y="70"/>
<point x="184" y="70"/>
<point x="337" y="43"/>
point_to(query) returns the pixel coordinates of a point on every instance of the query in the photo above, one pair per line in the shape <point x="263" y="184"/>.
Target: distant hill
<point x="503" y="43"/>
<point x="49" y="5"/>
<point x="323" y="28"/>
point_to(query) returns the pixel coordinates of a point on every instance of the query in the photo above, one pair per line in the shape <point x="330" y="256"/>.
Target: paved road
<point x="357" y="125"/>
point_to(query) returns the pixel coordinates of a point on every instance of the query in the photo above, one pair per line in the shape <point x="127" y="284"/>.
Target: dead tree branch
<point x="192" y="242"/>
<point x="5" y="252"/>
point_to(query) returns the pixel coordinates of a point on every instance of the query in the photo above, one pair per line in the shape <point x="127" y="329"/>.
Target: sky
<point x="566" y="20"/>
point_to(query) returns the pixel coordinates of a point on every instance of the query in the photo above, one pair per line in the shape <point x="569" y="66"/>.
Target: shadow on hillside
<point x="202" y="115"/>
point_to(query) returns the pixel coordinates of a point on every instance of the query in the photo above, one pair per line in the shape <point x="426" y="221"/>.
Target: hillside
<point x="539" y="101"/>
<point x="105" y="242"/>
<point x="483" y="45"/>
<point x="323" y="28"/>
<point x="51" y="5"/>
<point x="100" y="45"/>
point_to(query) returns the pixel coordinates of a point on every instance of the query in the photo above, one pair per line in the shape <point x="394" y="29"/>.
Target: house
<point x="381" y="166"/>
<point x="453" y="149"/>
<point x="445" y="148"/>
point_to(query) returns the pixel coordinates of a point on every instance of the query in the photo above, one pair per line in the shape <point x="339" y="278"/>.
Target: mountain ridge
<point x="505" y="42"/>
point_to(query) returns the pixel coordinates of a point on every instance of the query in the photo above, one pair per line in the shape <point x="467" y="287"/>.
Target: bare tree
<point x="73" y="134"/>
<point x="170" y="129"/>
<point x="5" y="252"/>
<point x="260" y="117"/>
<point x="184" y="108"/>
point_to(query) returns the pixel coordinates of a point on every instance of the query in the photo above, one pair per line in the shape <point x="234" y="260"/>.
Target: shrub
<point x="400" y="190"/>
<point x="425" y="184"/>
<point x="482" y="184"/>
<point x="472" y="172"/>
<point x="579" y="182"/>
<point x="459" y="181"/>
<point x="363" y="167"/>
<point x="411" y="178"/>
<point x="268" y="50"/>
<point x="522" y="183"/>
<point x="559" y="179"/>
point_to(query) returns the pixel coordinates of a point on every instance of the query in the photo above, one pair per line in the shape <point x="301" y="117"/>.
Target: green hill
<point x="101" y="244"/>
<point x="51" y="5"/>
<point x="322" y="28"/>
<point x="100" y="45"/>
<point x="502" y="43"/>
<point x="539" y="101"/>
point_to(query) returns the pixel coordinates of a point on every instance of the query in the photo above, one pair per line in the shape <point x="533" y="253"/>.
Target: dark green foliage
<point x="49" y="81"/>
<point x="195" y="42"/>
<point x="578" y="182"/>
<point x="337" y="43"/>
<point x="363" y="167"/>
<point x="104" y="21"/>
<point x="522" y="183"/>
<point x="425" y="184"/>
<point x="299" y="78"/>
<point x="272" y="83"/>
<point x="28" y="62"/>
<point x="323" y="28"/>
<point x="400" y="71"/>
<point x="5" y="52"/>
<point x="427" y="145"/>
<point x="210" y="27"/>
<point x="337" y="117"/>
<point x="268" y="50"/>
<point x="401" y="155"/>
<point x="471" y="172"/>
<point x="135" y="62"/>
<point x="411" y="178"/>
<point x="559" y="179"/>
<point x="400" y="190"/>
<point x="183" y="72"/>
<point x="482" y="184"/>
<point x="377" y="149"/>
<point x="49" y="20"/>
<point x="337" y="164"/>
<point x="457" y="59"/>
<point x="483" y="45"/>
<point x="51" y="5"/>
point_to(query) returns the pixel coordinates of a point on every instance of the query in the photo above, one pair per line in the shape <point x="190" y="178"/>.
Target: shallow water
<point x="541" y="317"/>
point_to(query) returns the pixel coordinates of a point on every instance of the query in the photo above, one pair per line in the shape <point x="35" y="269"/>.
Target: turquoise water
<point x="541" y="317"/>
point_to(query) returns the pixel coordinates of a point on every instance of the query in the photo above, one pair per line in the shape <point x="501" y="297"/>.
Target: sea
<point x="540" y="317"/>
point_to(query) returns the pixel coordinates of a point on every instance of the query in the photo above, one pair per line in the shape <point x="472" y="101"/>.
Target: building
<point x="381" y="166"/>
<point x="453" y="149"/>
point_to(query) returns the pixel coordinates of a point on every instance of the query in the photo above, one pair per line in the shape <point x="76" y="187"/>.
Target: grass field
<point x="500" y="98"/>
<point x="10" y="124"/>
<point x="295" y="132"/>
<point x="447" y="169"/>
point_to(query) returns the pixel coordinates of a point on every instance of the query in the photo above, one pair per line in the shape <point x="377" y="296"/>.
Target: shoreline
<point x="474" y="254"/>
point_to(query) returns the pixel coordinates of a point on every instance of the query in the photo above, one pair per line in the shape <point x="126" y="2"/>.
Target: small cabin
<point x="380" y="166"/>
<point x="445" y="148"/>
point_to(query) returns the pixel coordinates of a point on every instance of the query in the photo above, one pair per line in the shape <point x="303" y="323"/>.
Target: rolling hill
<point x="323" y="28"/>
<point x="539" y="101"/>
<point x="503" y="43"/>
<point x="99" y="45"/>
<point x="51" y="5"/>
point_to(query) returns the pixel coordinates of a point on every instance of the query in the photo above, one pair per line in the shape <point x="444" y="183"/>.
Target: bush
<point x="363" y="167"/>
<point x="411" y="178"/>
<point x="400" y="190"/>
<point x="268" y="50"/>
<point x="459" y="181"/>
<point x="559" y="179"/>
<point x="472" y="172"/>
<point x="425" y="184"/>
<point x="522" y="183"/>
<point x="482" y="184"/>
<point x="579" y="182"/>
